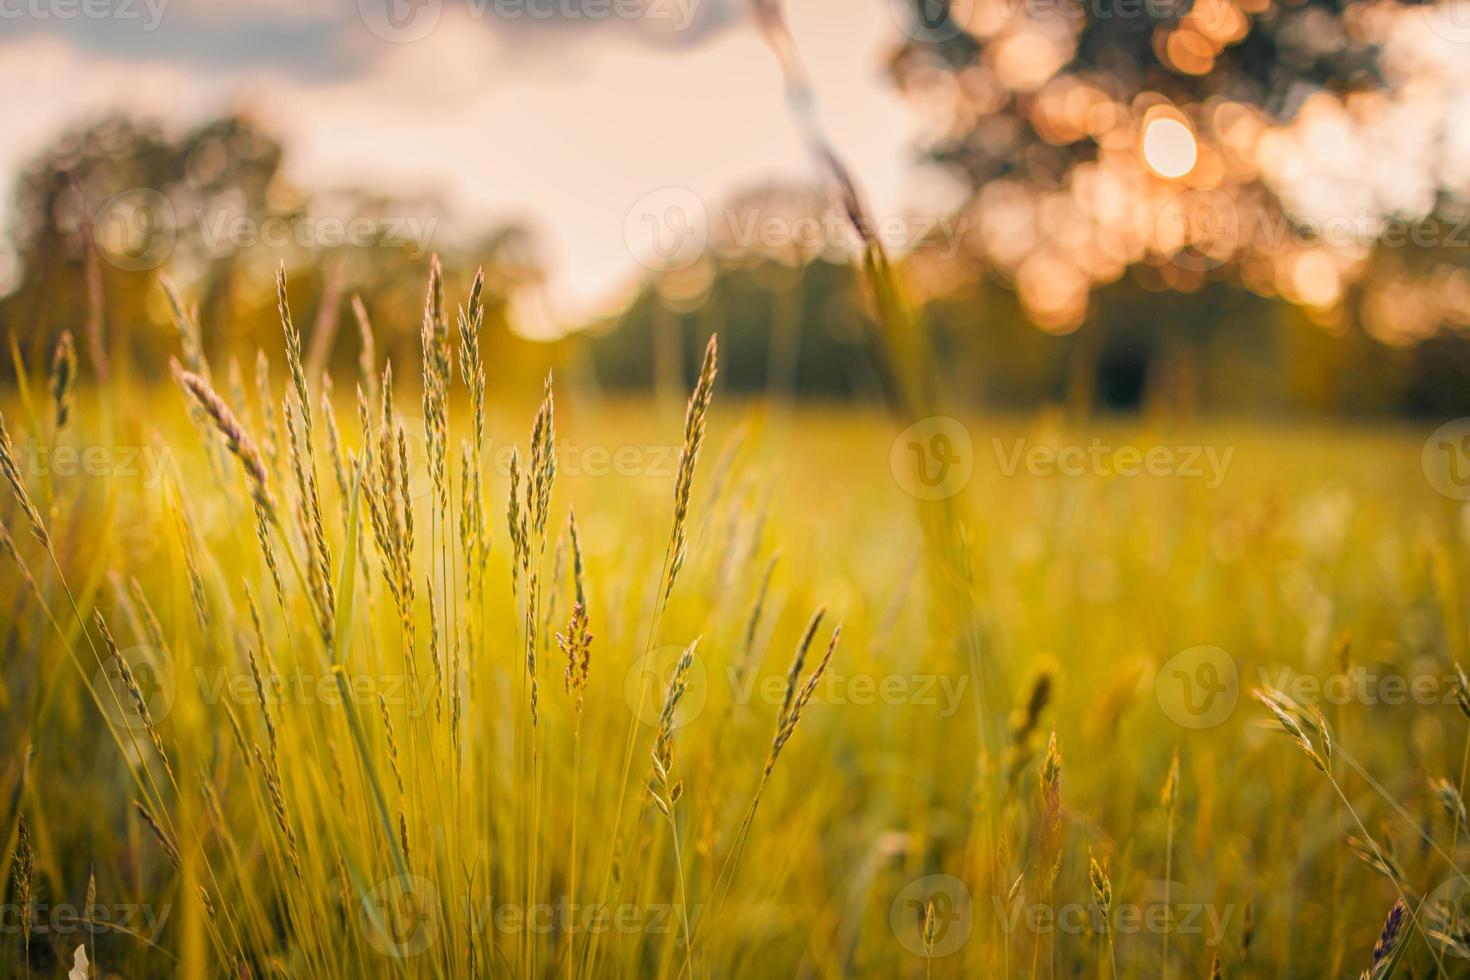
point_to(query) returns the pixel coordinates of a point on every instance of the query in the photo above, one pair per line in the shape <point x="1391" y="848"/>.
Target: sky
<point x="575" y="117"/>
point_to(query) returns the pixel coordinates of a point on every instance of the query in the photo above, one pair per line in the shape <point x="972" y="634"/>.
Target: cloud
<point x="560" y="126"/>
<point x="204" y="34"/>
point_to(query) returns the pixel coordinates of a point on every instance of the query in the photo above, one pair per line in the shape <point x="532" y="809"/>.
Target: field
<point x="287" y="694"/>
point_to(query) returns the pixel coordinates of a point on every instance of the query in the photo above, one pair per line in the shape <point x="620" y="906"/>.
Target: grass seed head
<point x="63" y="378"/>
<point x="236" y="438"/>
<point x="11" y="470"/>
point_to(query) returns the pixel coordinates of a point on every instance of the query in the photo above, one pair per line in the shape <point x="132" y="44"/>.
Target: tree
<point x="1298" y="149"/>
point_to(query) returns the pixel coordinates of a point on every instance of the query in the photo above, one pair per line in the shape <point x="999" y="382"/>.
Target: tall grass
<point x="302" y="731"/>
<point x="298" y="700"/>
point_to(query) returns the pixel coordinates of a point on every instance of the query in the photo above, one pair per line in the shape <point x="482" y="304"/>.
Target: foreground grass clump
<point x="305" y="684"/>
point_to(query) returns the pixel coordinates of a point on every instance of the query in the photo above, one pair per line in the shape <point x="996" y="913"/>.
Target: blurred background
<point x="1186" y="206"/>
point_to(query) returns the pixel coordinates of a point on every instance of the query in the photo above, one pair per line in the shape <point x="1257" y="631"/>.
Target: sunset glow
<point x="1169" y="148"/>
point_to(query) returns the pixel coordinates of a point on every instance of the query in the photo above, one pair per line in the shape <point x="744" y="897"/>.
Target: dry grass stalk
<point x="434" y="658"/>
<point x="367" y="356"/>
<point x="11" y="469"/>
<point x="236" y="439"/>
<point x="579" y="581"/>
<point x="303" y="465"/>
<point x="334" y="440"/>
<point x="665" y="794"/>
<point x="271" y="774"/>
<point x="799" y="694"/>
<point x="162" y="836"/>
<point x="191" y="340"/>
<point x="393" y="755"/>
<point x="7" y="544"/>
<point x="694" y="425"/>
<point x="263" y="393"/>
<point x="576" y="645"/>
<point x="197" y="595"/>
<point x="1388" y="948"/>
<point x="135" y="692"/>
<point x="23" y="870"/>
<point x="434" y="337"/>
<point x="309" y="518"/>
<point x="63" y="378"/>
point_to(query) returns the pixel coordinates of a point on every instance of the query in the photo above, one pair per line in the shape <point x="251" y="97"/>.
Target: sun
<point x="1169" y="147"/>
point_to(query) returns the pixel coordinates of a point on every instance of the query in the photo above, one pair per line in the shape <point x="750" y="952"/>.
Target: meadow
<point x="431" y="681"/>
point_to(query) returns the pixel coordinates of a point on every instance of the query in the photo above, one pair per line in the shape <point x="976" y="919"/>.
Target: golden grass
<point x="357" y="728"/>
